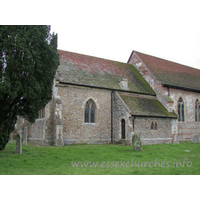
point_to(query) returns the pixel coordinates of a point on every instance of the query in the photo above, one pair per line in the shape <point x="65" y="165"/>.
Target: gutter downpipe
<point x="112" y="141"/>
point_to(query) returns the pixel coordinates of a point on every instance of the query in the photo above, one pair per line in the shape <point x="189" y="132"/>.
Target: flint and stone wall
<point x="75" y="130"/>
<point x="48" y="130"/>
<point x="189" y="127"/>
<point x="141" y="125"/>
<point x="163" y="134"/>
<point x="185" y="129"/>
<point x="120" y="111"/>
<point x="41" y="131"/>
<point x="64" y="120"/>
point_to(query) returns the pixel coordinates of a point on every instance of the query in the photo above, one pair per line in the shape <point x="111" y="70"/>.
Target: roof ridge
<point x="167" y="60"/>
<point x="93" y="56"/>
<point x="170" y="72"/>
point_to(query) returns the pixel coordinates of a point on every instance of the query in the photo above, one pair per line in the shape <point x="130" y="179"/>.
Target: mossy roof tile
<point x="87" y="70"/>
<point x="146" y="107"/>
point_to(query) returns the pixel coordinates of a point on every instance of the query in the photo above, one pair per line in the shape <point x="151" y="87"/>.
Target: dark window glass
<point x="92" y="113"/>
<point x="156" y="126"/>
<point x="183" y="118"/>
<point x="152" y="126"/>
<point x="133" y="124"/>
<point x="196" y="113"/>
<point x="87" y="113"/>
<point x="179" y="112"/>
<point x="123" y="129"/>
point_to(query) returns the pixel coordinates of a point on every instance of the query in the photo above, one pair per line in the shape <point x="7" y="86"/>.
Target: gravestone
<point x="25" y="133"/>
<point x="19" y="142"/>
<point x="136" y="142"/>
<point x="19" y="123"/>
<point x="11" y="138"/>
<point x="195" y="138"/>
<point x="176" y="141"/>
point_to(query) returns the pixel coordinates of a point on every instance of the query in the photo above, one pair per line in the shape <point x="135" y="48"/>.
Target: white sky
<point x="111" y="29"/>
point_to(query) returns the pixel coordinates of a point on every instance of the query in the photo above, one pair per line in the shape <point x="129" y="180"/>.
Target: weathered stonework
<point x="139" y="124"/>
<point x="64" y="120"/>
<point x="120" y="111"/>
<point x="182" y="131"/>
<point x="48" y="130"/>
<point x="37" y="132"/>
<point x="75" y="130"/>
<point x="154" y="83"/>
<point x="162" y="135"/>
<point x="189" y="127"/>
<point x="196" y="138"/>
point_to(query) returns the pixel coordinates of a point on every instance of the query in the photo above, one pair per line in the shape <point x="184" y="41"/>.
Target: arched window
<point x="197" y="111"/>
<point x="181" y="116"/>
<point x="41" y="113"/>
<point x="152" y="126"/>
<point x="156" y="126"/>
<point x="90" y="111"/>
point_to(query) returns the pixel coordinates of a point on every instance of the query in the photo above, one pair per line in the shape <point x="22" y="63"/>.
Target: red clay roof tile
<point x="171" y="73"/>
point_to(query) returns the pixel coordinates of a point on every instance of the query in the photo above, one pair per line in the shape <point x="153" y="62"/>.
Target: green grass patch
<point x="109" y="159"/>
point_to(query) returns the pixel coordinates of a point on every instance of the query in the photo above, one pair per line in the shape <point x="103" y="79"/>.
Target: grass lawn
<point x="112" y="159"/>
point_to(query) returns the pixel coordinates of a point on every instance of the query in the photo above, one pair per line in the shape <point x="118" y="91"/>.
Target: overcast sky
<point x="111" y="29"/>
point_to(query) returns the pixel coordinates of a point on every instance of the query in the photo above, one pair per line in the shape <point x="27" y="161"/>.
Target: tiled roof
<point x="92" y="71"/>
<point x="171" y="73"/>
<point x="146" y="106"/>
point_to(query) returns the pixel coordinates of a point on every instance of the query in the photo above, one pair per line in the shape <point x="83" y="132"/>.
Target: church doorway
<point x="123" y="128"/>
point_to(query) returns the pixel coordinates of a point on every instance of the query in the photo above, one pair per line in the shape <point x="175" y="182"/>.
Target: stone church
<point x="95" y="100"/>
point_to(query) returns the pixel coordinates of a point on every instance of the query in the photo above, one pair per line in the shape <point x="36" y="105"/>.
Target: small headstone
<point x="25" y="133"/>
<point x="137" y="142"/>
<point x="19" y="123"/>
<point x="11" y="138"/>
<point x="176" y="141"/>
<point x="195" y="138"/>
<point x="19" y="142"/>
